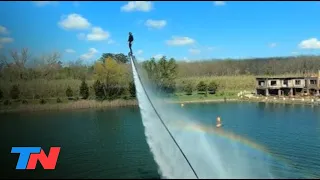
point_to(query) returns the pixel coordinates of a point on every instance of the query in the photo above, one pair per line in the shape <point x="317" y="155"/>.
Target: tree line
<point x="254" y="66"/>
<point x="110" y="77"/>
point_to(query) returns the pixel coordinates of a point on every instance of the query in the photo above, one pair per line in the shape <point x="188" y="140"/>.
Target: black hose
<point x="162" y="121"/>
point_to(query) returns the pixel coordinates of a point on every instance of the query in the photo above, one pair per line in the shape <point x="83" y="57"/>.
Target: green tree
<point x="171" y="68"/>
<point x="202" y="87"/>
<point x="212" y="87"/>
<point x="98" y="90"/>
<point x="111" y="74"/>
<point x="151" y="69"/>
<point x="15" y="92"/>
<point x="120" y="58"/>
<point x="84" y="90"/>
<point x="132" y="89"/>
<point x="69" y="92"/>
<point x="188" y="89"/>
<point x="162" y="73"/>
<point x="105" y="56"/>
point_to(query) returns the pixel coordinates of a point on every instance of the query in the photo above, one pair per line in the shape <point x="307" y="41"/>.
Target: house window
<point x="298" y="82"/>
<point x="313" y="81"/>
<point x="285" y="82"/>
<point x="261" y="83"/>
<point x="273" y="83"/>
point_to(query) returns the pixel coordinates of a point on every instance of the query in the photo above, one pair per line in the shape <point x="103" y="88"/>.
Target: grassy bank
<point x="57" y="88"/>
<point x="53" y="95"/>
<point x="196" y="98"/>
<point x="71" y="105"/>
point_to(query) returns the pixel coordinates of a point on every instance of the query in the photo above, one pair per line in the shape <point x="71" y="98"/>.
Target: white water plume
<point x="210" y="156"/>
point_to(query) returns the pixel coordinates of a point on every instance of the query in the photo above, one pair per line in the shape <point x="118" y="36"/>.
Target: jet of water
<point x="210" y="156"/>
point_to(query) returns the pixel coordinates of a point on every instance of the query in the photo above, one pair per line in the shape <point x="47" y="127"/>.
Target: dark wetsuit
<point x="130" y="42"/>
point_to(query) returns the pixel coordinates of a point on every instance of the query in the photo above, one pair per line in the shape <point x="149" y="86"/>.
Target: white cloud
<point x="158" y="56"/>
<point x="89" y="55"/>
<point x="3" y="30"/>
<point x="219" y="3"/>
<point x="44" y="3"/>
<point x="98" y="34"/>
<point x="70" y="51"/>
<point x="144" y="6"/>
<point x="312" y="43"/>
<point x="295" y="53"/>
<point x="6" y="40"/>
<point x="139" y="52"/>
<point x="194" y="51"/>
<point x="180" y="41"/>
<point x="74" y="21"/>
<point x="272" y="45"/>
<point x="157" y="24"/>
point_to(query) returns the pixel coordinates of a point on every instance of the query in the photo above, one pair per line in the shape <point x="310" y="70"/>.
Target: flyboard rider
<point x="130" y="40"/>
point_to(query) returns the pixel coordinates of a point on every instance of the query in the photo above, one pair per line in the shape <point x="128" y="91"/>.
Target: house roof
<point x="280" y="77"/>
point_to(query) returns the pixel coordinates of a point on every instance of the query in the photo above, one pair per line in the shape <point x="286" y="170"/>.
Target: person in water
<point x="130" y="40"/>
<point x="218" y="122"/>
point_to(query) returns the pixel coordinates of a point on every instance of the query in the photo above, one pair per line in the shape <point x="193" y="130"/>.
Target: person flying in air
<point x="130" y="40"/>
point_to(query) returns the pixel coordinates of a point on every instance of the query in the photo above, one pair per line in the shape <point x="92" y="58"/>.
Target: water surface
<point x="111" y="143"/>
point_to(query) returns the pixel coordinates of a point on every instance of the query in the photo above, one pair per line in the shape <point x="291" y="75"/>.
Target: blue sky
<point x="183" y="30"/>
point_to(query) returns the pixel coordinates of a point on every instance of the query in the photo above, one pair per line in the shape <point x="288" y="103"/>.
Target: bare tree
<point x="3" y="61"/>
<point x="20" y="60"/>
<point x="24" y="56"/>
<point x="50" y="63"/>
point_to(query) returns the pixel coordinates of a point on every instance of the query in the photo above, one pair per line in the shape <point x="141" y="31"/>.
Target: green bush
<point x="202" y="87"/>
<point x="125" y="97"/>
<point x="212" y="87"/>
<point x="15" y="92"/>
<point x="69" y="93"/>
<point x="42" y="101"/>
<point x="188" y="89"/>
<point x="59" y="100"/>
<point x="114" y="92"/>
<point x="84" y="90"/>
<point x="36" y="96"/>
<point x="98" y="90"/>
<point x="7" y="102"/>
<point x="24" y="101"/>
<point x="132" y="89"/>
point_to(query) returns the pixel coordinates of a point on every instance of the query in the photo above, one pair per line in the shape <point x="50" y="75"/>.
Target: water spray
<point x="134" y="66"/>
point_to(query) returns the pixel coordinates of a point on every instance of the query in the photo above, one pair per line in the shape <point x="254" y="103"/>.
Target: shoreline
<point x="89" y="104"/>
<point x="80" y="104"/>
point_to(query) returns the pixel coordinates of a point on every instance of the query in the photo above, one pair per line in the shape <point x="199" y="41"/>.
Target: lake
<point x="111" y="143"/>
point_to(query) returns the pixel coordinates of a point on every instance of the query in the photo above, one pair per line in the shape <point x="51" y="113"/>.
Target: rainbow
<point x="198" y="127"/>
